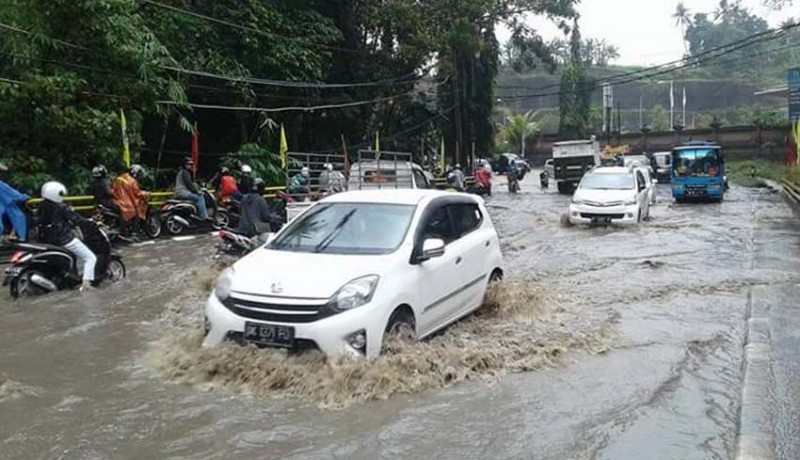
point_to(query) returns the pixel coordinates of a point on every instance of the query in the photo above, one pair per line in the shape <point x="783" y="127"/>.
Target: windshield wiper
<point x="335" y="232"/>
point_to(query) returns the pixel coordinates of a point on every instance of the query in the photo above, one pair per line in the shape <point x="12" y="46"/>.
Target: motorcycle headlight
<point x="224" y="283"/>
<point x="355" y="293"/>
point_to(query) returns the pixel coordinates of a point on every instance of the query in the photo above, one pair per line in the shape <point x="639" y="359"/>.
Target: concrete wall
<point x="739" y="143"/>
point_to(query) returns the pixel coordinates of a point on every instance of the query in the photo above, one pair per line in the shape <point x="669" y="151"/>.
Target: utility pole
<point x="619" y="123"/>
<point x="608" y="105"/>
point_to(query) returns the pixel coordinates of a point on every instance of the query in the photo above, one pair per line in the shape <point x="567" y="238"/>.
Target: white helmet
<point x="329" y="166"/>
<point x="54" y="191"/>
<point x="246" y="169"/>
<point x="305" y="171"/>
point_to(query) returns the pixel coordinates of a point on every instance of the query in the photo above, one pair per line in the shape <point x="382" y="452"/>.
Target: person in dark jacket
<point x="186" y="190"/>
<point x="256" y="217"/>
<point x="57" y="221"/>
<point x="101" y="187"/>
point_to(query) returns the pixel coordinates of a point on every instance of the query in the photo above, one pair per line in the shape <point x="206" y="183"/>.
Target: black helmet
<point x="258" y="186"/>
<point x="99" y="171"/>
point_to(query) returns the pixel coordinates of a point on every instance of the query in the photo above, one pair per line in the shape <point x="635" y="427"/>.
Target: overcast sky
<point x="644" y="30"/>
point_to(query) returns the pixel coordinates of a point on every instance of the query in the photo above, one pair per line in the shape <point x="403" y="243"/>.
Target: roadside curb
<point x="756" y="434"/>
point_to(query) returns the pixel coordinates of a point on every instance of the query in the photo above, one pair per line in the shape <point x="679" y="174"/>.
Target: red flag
<point x="195" y="149"/>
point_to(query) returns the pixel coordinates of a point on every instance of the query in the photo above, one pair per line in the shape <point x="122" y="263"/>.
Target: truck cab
<point x="698" y="172"/>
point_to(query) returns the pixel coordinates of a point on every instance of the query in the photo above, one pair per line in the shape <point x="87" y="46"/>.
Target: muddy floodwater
<point x="627" y="344"/>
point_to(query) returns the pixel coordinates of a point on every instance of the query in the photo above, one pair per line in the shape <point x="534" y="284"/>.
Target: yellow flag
<point x="796" y="133"/>
<point x="442" y="164"/>
<point x="283" y="149"/>
<point x="126" y="151"/>
<point x="377" y="146"/>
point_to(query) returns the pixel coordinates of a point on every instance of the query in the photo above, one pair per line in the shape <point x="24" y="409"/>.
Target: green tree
<point x="518" y="128"/>
<point x="659" y="119"/>
<point x="575" y="93"/>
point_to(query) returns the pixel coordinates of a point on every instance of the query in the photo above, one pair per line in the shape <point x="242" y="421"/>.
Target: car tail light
<point x="17" y="255"/>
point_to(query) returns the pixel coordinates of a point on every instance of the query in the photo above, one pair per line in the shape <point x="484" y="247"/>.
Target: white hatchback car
<point x="356" y="266"/>
<point x="612" y="195"/>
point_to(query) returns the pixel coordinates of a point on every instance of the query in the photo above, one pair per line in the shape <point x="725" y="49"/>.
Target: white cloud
<point x="643" y="30"/>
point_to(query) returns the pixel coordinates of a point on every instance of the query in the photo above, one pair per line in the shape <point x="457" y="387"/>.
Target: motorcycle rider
<point x="513" y="175"/>
<point x="331" y="181"/>
<point x="57" y="221"/>
<point x="483" y="178"/>
<point x="256" y="217"/>
<point x="101" y="188"/>
<point x="225" y="184"/>
<point x="300" y="184"/>
<point x="246" y="183"/>
<point x="132" y="201"/>
<point x="10" y="201"/>
<point x="456" y="178"/>
<point x="186" y="190"/>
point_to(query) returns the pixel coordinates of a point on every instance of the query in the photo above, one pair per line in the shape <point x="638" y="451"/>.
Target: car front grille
<point x="278" y="313"/>
<point x="300" y="345"/>
<point x="608" y="204"/>
<point x="591" y="215"/>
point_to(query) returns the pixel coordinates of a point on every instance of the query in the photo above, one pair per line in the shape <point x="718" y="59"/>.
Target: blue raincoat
<point x="10" y="199"/>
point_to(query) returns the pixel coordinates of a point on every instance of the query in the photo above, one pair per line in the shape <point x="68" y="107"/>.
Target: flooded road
<point x="80" y="377"/>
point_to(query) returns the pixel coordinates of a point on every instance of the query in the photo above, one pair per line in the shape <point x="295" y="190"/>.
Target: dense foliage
<point x="69" y="66"/>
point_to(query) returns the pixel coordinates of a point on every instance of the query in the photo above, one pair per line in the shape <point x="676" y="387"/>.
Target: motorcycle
<point x="544" y="179"/>
<point x="235" y="244"/>
<point x="41" y="268"/>
<point x="513" y="183"/>
<point x="179" y="215"/>
<point x="117" y="226"/>
<point x="229" y="211"/>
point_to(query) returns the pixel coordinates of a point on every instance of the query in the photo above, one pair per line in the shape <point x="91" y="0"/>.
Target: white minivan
<point x="613" y="195"/>
<point x="356" y="266"/>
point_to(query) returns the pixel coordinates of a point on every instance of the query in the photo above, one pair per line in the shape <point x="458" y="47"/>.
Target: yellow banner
<point x="284" y="148"/>
<point x="126" y="151"/>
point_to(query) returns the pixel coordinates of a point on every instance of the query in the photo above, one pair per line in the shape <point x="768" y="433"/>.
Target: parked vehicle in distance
<point x="548" y="167"/>
<point x="571" y="160"/>
<point x="612" y="195"/>
<point x="356" y="268"/>
<point x="698" y="172"/>
<point x="503" y="161"/>
<point x="641" y="160"/>
<point x="664" y="163"/>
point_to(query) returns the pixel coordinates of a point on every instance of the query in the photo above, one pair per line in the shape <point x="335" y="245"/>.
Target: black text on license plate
<point x="269" y="334"/>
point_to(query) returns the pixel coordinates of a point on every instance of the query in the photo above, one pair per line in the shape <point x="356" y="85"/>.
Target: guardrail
<point x="791" y="190"/>
<point x="85" y="203"/>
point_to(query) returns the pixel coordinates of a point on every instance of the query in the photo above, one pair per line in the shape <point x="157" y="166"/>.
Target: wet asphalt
<point x="75" y="382"/>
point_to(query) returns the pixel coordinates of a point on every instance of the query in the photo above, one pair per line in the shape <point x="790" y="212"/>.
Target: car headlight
<point x="630" y="203"/>
<point x="577" y="201"/>
<point x="677" y="187"/>
<point x="224" y="283"/>
<point x="714" y="187"/>
<point x="355" y="293"/>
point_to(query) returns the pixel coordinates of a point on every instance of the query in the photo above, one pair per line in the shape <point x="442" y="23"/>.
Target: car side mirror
<point x="431" y="249"/>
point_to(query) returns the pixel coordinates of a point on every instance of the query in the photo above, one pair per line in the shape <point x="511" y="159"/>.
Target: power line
<point x="652" y="71"/>
<point x="755" y="38"/>
<point x="249" y="29"/>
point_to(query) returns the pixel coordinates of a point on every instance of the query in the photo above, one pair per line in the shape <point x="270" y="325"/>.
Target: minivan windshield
<point x="608" y="181"/>
<point x="347" y="228"/>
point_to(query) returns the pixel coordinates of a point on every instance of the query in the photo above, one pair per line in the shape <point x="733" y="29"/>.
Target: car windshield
<point x="696" y="162"/>
<point x="347" y="228"/>
<point x="608" y="181"/>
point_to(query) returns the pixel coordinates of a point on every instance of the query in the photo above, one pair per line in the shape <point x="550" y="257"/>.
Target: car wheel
<point x="401" y="325"/>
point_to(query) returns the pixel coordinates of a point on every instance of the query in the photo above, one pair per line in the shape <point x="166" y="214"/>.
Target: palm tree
<point x="518" y="128"/>
<point x="682" y="20"/>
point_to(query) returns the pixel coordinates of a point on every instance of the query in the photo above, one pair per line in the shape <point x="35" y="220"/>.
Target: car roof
<point x="611" y="170"/>
<point x="388" y="196"/>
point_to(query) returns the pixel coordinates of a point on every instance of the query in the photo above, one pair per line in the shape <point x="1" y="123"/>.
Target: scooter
<point x="112" y="220"/>
<point x="235" y="244"/>
<point x="513" y="184"/>
<point x="544" y="179"/>
<point x="179" y="215"/>
<point x="41" y="268"/>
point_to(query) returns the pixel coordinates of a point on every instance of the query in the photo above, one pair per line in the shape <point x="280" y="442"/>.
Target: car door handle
<point x="458" y="260"/>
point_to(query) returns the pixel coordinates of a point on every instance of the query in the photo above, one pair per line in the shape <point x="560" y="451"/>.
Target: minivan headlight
<point x="224" y="283"/>
<point x="355" y="293"/>
<point x="578" y="201"/>
<point x="630" y="202"/>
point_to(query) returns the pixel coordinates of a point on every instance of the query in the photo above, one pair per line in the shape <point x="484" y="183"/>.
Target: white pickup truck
<point x="391" y="171"/>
